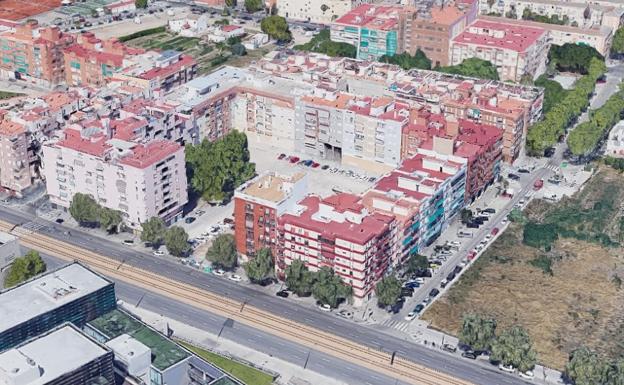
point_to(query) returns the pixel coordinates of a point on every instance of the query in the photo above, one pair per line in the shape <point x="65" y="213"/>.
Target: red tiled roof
<point x="371" y="16"/>
<point x="126" y="129"/>
<point x="99" y="57"/>
<point x="95" y="145"/>
<point x="144" y="156"/>
<point x="185" y="61"/>
<point x="513" y="37"/>
<point x="230" y="28"/>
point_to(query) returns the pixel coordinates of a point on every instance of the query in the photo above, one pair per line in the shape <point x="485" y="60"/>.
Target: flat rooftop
<point x="271" y="186"/>
<point x="165" y="353"/>
<point x="58" y="352"/>
<point x="6" y="238"/>
<point x="47" y="292"/>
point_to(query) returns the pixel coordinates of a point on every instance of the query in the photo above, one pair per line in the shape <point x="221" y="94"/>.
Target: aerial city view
<point x="311" y="192"/>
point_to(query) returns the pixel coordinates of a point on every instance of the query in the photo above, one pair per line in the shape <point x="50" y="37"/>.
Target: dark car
<point x="549" y="152"/>
<point x="325" y="167"/>
<point x="419" y="308"/>
<point x="413" y="285"/>
<point x="281" y="156"/>
<point x="59" y="220"/>
<point x="434" y="292"/>
<point x="481" y="218"/>
<point x="473" y="225"/>
<point x="489" y="210"/>
<point x="450" y="276"/>
<point x="513" y="176"/>
<point x="282" y="293"/>
<point x="457" y="269"/>
<point x="524" y="171"/>
<point x="189" y="220"/>
<point x="406" y="292"/>
<point x="469" y="354"/>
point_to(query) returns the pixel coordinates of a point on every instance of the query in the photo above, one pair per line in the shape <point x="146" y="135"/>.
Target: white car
<point x="419" y="280"/>
<point x="488" y="237"/>
<point x="455" y="243"/>
<point x="528" y="375"/>
<point x="235" y="278"/>
<point x="219" y="272"/>
<point x="159" y="253"/>
<point x="506" y="369"/>
<point x="325" y="307"/>
<point x="504" y="221"/>
<point x="410" y="316"/>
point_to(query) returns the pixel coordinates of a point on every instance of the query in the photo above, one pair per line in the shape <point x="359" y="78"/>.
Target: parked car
<point x="513" y="176"/>
<point x="528" y="375"/>
<point x="294" y="159"/>
<point x="219" y="272"/>
<point x="473" y="225"/>
<point x="282" y="293"/>
<point x="489" y="210"/>
<point x="506" y="368"/>
<point x="419" y="308"/>
<point x="325" y="167"/>
<point x="281" y="156"/>
<point x="410" y="316"/>
<point x="128" y="242"/>
<point x="443" y="283"/>
<point x="325" y="307"/>
<point x="235" y="278"/>
<point x="159" y="253"/>
<point x="449" y="348"/>
<point x="315" y="165"/>
<point x="413" y="285"/>
<point x="434" y="292"/>
<point x="469" y="354"/>
<point x="189" y="220"/>
<point x="524" y="171"/>
<point x="464" y="234"/>
<point x="59" y="220"/>
<point x="494" y="231"/>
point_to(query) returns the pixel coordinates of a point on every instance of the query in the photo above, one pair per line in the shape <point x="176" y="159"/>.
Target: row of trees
<point x="324" y="285"/>
<point x="617" y="46"/>
<point x="586" y="136"/>
<point x="407" y="61"/>
<point x="218" y="168"/>
<point x="175" y="238"/>
<point x="554" y="93"/>
<point x="527" y="14"/>
<point x="276" y="27"/>
<point x="546" y="132"/>
<point x="24" y="268"/>
<point x="87" y="212"/>
<point x="512" y="346"/>
<point x="322" y="43"/>
<point x="573" y="57"/>
<point x="472" y="67"/>
<point x="388" y="289"/>
<point x="585" y="367"/>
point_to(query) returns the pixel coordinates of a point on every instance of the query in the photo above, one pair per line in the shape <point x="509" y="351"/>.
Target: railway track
<point x="380" y="361"/>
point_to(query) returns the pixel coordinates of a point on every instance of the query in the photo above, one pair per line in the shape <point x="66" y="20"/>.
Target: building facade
<point x="15" y="173"/>
<point x="9" y="250"/>
<point x="313" y="11"/>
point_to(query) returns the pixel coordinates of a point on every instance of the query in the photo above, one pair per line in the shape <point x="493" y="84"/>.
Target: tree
<point x="238" y="50"/>
<point x="219" y="167"/>
<point x="540" y="236"/>
<point x="260" y="267"/>
<point x="276" y="27"/>
<point x="466" y="216"/>
<point x="407" y="61"/>
<point x="140" y="3"/>
<point x="109" y="219"/>
<point x="417" y="263"/>
<point x="329" y="288"/>
<point x="513" y="347"/>
<point x="24" y="268"/>
<point x="153" y="231"/>
<point x="84" y="209"/>
<point x="585" y="367"/>
<point x="222" y="253"/>
<point x="222" y="22"/>
<point x="571" y="57"/>
<point x="322" y="43"/>
<point x="299" y="279"/>
<point x="176" y="241"/>
<point x="553" y="92"/>
<point x="477" y="332"/>
<point x="615" y="372"/>
<point x="230" y="3"/>
<point x="617" y="46"/>
<point x="252" y="6"/>
<point x="388" y="291"/>
<point x="473" y="67"/>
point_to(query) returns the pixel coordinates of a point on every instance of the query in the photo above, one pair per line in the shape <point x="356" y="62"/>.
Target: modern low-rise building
<point x="340" y="233"/>
<point x="257" y="205"/>
<point x="517" y="52"/>
<point x="60" y="356"/>
<point x="9" y="250"/>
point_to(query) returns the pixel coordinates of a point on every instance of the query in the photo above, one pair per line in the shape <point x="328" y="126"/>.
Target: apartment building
<point x="34" y="54"/>
<point x="340" y="233"/>
<point x="430" y="27"/>
<point x="615" y="141"/>
<point x="518" y="52"/>
<point x="582" y="14"/>
<point x="313" y="11"/>
<point x="423" y="194"/>
<point x="375" y="30"/>
<point x="258" y="204"/>
<point x="600" y="37"/>
<point x="142" y="180"/>
<point x="90" y="61"/>
<point x="15" y="173"/>
<point x="9" y="250"/>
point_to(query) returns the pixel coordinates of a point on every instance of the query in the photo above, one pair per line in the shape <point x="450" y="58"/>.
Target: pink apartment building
<point x="140" y="180"/>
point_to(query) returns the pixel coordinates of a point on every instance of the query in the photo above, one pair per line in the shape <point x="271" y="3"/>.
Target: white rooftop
<point x="46" y="293"/>
<point x="48" y="357"/>
<point x="127" y="347"/>
<point x="6" y="238"/>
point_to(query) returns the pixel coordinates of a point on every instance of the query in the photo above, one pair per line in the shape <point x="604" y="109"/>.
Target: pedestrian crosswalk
<point x="32" y="226"/>
<point x="552" y="167"/>
<point x="394" y="324"/>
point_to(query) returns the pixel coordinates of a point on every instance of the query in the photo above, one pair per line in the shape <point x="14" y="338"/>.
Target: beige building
<point x="313" y="10"/>
<point x="14" y="166"/>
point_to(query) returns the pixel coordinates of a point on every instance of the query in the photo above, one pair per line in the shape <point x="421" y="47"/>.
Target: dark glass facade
<point x="97" y="372"/>
<point x="78" y="312"/>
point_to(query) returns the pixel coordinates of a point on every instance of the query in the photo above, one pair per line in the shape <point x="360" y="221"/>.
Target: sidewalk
<point x="289" y="374"/>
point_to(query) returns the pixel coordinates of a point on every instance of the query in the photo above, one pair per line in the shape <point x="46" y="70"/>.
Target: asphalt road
<point x="365" y="335"/>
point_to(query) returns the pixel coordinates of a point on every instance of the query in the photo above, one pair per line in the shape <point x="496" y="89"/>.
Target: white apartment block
<point x="516" y="51"/>
<point x="15" y="173"/>
<point x="140" y="180"/>
<point x="316" y="11"/>
<point x="615" y="143"/>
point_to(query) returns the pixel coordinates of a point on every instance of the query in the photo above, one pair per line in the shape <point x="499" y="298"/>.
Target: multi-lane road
<point x="364" y="335"/>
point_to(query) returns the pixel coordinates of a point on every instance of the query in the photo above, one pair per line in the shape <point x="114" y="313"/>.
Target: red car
<point x="494" y="231"/>
<point x="294" y="159"/>
<point x="471" y="255"/>
<point x="315" y="165"/>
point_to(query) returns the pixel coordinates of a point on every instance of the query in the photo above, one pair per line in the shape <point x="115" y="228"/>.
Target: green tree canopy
<point x="154" y="231"/>
<point x="140" y="3"/>
<point x="615" y="372"/>
<point x="329" y="288"/>
<point x="84" y="209"/>
<point x="260" y="267"/>
<point x="466" y="216"/>
<point x="387" y="290"/>
<point x="513" y="347"/>
<point x="554" y="93"/>
<point x="473" y="67"/>
<point x="221" y="166"/>
<point x="417" y="263"/>
<point x="253" y="5"/>
<point x="176" y="241"/>
<point x="109" y="219"/>
<point x="322" y="43"/>
<point x="298" y="278"/>
<point x="222" y="22"/>
<point x="617" y="46"/>
<point x="573" y="57"/>
<point x="407" y="61"/>
<point x="222" y="252"/>
<point x="585" y="367"/>
<point x="24" y="268"/>
<point x="540" y="236"/>
<point x="238" y="49"/>
<point x="477" y="332"/>
<point x="276" y="27"/>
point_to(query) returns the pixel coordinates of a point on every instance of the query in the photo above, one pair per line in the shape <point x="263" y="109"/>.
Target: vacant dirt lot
<point x="566" y="297"/>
